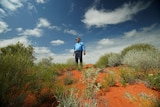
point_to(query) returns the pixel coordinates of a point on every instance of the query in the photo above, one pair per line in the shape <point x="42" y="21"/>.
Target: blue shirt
<point x="79" y="46"/>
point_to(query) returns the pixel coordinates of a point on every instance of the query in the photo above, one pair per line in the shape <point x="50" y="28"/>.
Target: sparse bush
<point x="67" y="98"/>
<point x="142" y="60"/>
<point x="114" y="59"/>
<point x="110" y="59"/>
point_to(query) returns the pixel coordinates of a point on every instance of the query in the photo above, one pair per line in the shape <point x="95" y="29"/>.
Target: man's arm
<point x="84" y="52"/>
<point x="83" y="48"/>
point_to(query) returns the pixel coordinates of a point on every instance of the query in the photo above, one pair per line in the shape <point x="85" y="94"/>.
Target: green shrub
<point x="103" y="61"/>
<point x="126" y="77"/>
<point x="109" y="81"/>
<point x="142" y="60"/>
<point x="138" y="47"/>
<point x="16" y="62"/>
<point x="67" y="98"/>
<point x="153" y="81"/>
<point x="110" y="59"/>
<point x="44" y="72"/>
<point x="114" y="59"/>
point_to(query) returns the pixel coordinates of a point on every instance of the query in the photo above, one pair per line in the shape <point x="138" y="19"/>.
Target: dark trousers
<point x="78" y="56"/>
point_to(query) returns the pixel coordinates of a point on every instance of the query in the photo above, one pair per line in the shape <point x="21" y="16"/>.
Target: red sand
<point x="115" y="96"/>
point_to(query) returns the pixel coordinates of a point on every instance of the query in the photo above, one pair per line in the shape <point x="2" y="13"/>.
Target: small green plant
<point x="109" y="81"/>
<point x="153" y="81"/>
<point x="126" y="77"/>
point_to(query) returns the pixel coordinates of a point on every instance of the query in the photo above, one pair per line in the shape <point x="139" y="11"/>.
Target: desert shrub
<point x="110" y="59"/>
<point x="89" y="78"/>
<point x="138" y="47"/>
<point x="143" y="99"/>
<point x="109" y="81"/>
<point x="67" y="98"/>
<point x="126" y="76"/>
<point x="142" y="60"/>
<point x="45" y="72"/>
<point x="114" y="59"/>
<point x="16" y="62"/>
<point x="103" y="61"/>
<point x="153" y="81"/>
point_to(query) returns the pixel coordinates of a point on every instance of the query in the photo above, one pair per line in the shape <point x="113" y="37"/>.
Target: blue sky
<point x="105" y="26"/>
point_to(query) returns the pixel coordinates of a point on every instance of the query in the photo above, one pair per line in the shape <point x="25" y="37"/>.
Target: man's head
<point x="78" y="39"/>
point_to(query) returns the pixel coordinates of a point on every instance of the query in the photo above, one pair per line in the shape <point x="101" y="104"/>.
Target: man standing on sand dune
<point x="79" y="50"/>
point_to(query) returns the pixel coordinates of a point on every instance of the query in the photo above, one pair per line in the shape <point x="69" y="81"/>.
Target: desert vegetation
<point x="47" y="84"/>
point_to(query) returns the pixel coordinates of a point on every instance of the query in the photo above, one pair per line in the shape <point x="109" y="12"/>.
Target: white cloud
<point x="45" y="52"/>
<point x="42" y="52"/>
<point x="23" y="39"/>
<point x="130" y="33"/>
<point x="37" y="31"/>
<point x="72" y="32"/>
<point x="31" y="7"/>
<point x="57" y="42"/>
<point x="19" y="29"/>
<point x="4" y="27"/>
<point x="105" y="42"/>
<point x="42" y="22"/>
<point x="11" y="5"/>
<point x="2" y="11"/>
<point x="41" y="1"/>
<point x="71" y="50"/>
<point x="119" y="15"/>
<point x="31" y="32"/>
